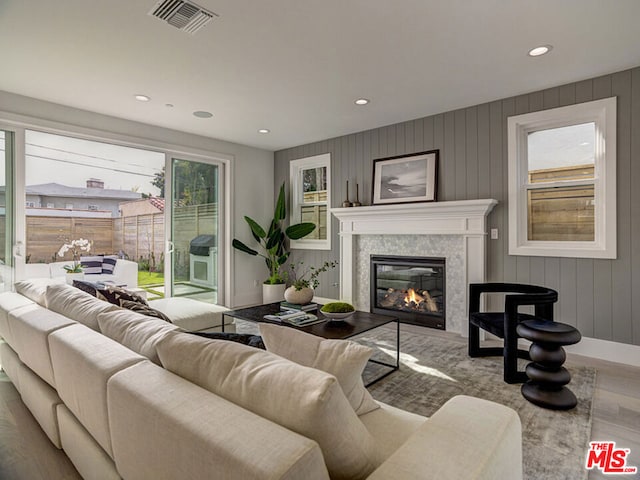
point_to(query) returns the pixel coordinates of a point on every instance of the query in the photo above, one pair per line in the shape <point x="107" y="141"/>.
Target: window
<point x="562" y="181"/>
<point x="310" y="199"/>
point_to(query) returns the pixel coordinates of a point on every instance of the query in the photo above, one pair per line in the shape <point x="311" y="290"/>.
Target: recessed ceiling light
<point x="264" y="130"/>
<point x="202" y="114"/>
<point x="142" y="98"/>
<point x="541" y="50"/>
<point x="361" y="101"/>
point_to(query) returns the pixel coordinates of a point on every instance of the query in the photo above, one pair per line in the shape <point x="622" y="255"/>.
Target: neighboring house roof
<point x="157" y="202"/>
<point x="58" y="190"/>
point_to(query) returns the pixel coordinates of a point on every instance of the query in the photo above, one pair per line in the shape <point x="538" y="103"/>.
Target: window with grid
<point x="562" y="185"/>
<point x="310" y="199"/>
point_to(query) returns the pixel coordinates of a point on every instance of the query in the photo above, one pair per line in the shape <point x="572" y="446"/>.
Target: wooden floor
<point x="27" y="454"/>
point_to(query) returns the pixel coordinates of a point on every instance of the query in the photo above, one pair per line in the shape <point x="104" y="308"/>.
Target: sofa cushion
<point x="83" y="361"/>
<point x="189" y="314"/>
<point x="36" y="288"/>
<point x="77" y="305"/>
<point x="391" y="427"/>
<point x="31" y="327"/>
<point x="143" y="309"/>
<point x="92" y="265"/>
<point x="135" y="331"/>
<point x="109" y="264"/>
<point x="10" y="301"/>
<point x="182" y="431"/>
<point x="302" y="399"/>
<point x="342" y="358"/>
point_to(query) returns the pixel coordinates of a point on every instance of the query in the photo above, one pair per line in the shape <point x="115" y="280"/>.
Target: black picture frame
<point x="411" y="178"/>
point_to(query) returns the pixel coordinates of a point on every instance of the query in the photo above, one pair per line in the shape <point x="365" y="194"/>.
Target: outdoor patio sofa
<point x="125" y="272"/>
<point x="127" y="396"/>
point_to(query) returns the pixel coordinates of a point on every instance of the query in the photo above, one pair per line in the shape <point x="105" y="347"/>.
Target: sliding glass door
<point x="7" y="150"/>
<point x="195" y="245"/>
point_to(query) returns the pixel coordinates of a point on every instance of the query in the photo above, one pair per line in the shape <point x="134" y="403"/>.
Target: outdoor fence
<point x="138" y="237"/>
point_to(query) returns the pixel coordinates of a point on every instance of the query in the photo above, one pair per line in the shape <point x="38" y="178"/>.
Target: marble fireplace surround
<point x="456" y="231"/>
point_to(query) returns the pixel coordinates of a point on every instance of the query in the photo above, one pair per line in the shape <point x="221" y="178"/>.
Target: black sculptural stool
<point x="547" y="377"/>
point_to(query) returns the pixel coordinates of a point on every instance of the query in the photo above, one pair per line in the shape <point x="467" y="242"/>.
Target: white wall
<point x="251" y="170"/>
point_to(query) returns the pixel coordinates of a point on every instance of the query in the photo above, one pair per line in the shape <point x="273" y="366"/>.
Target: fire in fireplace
<point x="413" y="288"/>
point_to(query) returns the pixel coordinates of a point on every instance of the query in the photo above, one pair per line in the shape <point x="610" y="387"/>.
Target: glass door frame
<point x="18" y="124"/>
<point x="224" y="241"/>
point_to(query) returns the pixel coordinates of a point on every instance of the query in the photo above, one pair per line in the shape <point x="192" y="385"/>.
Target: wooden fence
<point x="140" y="236"/>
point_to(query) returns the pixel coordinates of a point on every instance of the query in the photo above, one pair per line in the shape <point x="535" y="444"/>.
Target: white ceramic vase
<point x="70" y="277"/>
<point x="299" y="297"/>
<point x="273" y="293"/>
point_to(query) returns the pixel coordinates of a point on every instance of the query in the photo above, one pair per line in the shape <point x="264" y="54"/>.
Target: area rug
<point x="434" y="369"/>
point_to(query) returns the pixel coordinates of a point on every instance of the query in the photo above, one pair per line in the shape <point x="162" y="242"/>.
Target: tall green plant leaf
<point x="243" y="248"/>
<point x="256" y="229"/>
<point x="274" y="239"/>
<point x="299" y="230"/>
<point x="281" y="209"/>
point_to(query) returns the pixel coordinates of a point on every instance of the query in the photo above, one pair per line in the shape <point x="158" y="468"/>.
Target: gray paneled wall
<point x="600" y="297"/>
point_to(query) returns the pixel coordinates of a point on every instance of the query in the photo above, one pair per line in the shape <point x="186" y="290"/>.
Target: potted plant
<point x="303" y="284"/>
<point x="272" y="242"/>
<point x="74" y="272"/>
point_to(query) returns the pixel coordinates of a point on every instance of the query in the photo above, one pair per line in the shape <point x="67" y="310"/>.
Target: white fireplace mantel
<point x="466" y="218"/>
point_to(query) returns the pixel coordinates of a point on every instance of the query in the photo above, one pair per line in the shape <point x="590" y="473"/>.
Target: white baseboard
<point x="607" y="350"/>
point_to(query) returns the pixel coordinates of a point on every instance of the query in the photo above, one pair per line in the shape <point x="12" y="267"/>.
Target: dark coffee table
<point x="359" y="322"/>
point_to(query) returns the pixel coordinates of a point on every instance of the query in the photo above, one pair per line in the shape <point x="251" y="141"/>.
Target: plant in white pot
<point x="303" y="284"/>
<point x="273" y="246"/>
<point x="74" y="272"/>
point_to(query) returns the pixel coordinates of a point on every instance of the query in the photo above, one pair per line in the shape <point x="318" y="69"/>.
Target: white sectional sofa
<point x="124" y="273"/>
<point x="91" y="373"/>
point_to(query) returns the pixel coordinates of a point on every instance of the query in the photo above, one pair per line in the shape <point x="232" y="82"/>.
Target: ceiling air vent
<point x="185" y="16"/>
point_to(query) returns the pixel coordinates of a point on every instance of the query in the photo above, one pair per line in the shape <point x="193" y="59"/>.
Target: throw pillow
<point x="115" y="295"/>
<point x="91" y="265"/>
<point x="144" y="310"/>
<point x="342" y="358"/>
<point x="87" y="287"/>
<point x="244" y="338"/>
<point x="109" y="264"/>
<point x="304" y="400"/>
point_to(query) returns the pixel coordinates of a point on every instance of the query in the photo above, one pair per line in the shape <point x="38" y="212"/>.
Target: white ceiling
<point x="296" y="66"/>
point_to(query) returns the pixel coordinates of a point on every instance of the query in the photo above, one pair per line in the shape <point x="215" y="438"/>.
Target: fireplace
<point x="412" y="288"/>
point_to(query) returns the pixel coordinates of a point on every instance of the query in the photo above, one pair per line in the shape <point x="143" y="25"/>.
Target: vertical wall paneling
<point x="635" y="202"/>
<point x="448" y="157"/>
<point x="497" y="248"/>
<point x="600" y="297"/>
<point x="484" y="152"/>
<point x="460" y="155"/>
<point x="471" y="149"/>
<point x="602" y="269"/>
<point x="621" y="270"/>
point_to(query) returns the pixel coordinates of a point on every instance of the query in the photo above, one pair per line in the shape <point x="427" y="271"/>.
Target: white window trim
<point x="603" y="113"/>
<point x="295" y="175"/>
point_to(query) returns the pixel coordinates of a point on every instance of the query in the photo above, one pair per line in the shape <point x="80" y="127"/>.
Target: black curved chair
<point x="503" y="324"/>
